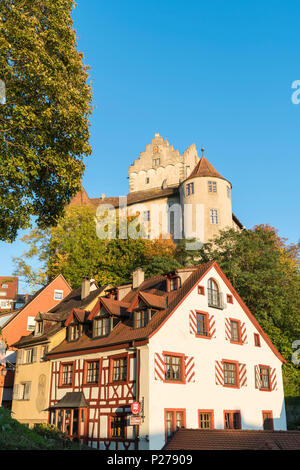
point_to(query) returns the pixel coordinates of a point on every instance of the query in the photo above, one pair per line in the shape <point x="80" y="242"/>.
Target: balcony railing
<point x="215" y="299"/>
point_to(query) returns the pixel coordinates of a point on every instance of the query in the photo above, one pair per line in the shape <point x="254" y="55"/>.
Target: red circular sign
<point x="135" y="408"/>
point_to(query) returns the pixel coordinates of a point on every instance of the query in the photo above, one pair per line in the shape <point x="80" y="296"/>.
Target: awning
<point x="72" y="400"/>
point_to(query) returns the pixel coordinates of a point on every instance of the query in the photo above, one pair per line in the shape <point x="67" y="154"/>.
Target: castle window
<point x="189" y="189"/>
<point x="212" y="186"/>
<point x="213" y="216"/>
<point x="147" y="180"/>
<point x="156" y="161"/>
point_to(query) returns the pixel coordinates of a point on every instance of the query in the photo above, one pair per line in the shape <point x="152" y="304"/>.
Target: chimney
<point x="138" y="276"/>
<point x="85" y="287"/>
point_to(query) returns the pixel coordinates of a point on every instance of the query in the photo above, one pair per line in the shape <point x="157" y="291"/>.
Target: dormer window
<point x="142" y="317"/>
<point x="175" y="283"/>
<point x="38" y="328"/>
<point x="101" y="326"/>
<point x="74" y="332"/>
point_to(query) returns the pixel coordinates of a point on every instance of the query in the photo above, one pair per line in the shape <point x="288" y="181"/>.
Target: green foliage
<point x="44" y="121"/>
<point x="17" y="436"/>
<point x="73" y="249"/>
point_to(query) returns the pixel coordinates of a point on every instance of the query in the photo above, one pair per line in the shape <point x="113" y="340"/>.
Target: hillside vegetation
<point x="17" y="436"/>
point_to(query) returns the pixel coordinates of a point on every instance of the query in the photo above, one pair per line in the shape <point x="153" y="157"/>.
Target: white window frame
<point x="214" y="216"/>
<point x="58" y="292"/>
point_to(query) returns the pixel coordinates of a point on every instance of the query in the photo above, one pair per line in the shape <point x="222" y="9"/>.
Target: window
<point x="201" y="290"/>
<point x="74" y="332"/>
<point x="174" y="283"/>
<point x="92" y="372"/>
<point x="173" y="368"/>
<point x="256" y="340"/>
<point x="66" y="374"/>
<point x="212" y="186"/>
<point x="189" y="189"/>
<point x="30" y="323"/>
<point x="5" y="304"/>
<point x="156" y="161"/>
<point x="206" y="419"/>
<point x="235" y="331"/>
<point x="229" y="299"/>
<point x="141" y="318"/>
<point x="101" y="327"/>
<point x="119" y="369"/>
<point x="174" y="419"/>
<point x="146" y="216"/>
<point x="264" y="377"/>
<point x="4" y="286"/>
<point x="202" y="324"/>
<point x="268" y="424"/>
<point x="44" y="353"/>
<point x="58" y="294"/>
<point x="232" y="420"/>
<point x="147" y="180"/>
<point x="214" y="296"/>
<point x="230" y="374"/>
<point x="213" y="216"/>
<point x="117" y="427"/>
<point x="30" y="355"/>
<point x="24" y="391"/>
<point x="39" y="327"/>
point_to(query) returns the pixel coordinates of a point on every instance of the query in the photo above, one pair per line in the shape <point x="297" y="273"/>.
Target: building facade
<point x="176" y="195"/>
<point x="183" y="345"/>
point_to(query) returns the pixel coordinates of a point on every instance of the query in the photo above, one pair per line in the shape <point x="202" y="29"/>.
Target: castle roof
<point x="204" y="168"/>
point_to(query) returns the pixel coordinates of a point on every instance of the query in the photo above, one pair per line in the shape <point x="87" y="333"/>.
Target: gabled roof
<point x="233" y="439"/>
<point x="204" y="168"/>
<point x="124" y="333"/>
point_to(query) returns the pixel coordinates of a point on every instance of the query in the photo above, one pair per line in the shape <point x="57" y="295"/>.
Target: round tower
<point x="205" y="198"/>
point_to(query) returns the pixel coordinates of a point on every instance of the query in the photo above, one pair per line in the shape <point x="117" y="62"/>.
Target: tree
<point x="44" y="119"/>
<point x="265" y="273"/>
<point x="74" y="249"/>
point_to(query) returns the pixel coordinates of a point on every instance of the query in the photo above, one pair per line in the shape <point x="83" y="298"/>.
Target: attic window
<point x="175" y="283"/>
<point x="101" y="327"/>
<point x="38" y="328"/>
<point x="74" y="332"/>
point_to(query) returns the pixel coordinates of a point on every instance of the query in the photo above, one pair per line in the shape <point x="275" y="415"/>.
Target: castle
<point x="177" y="195"/>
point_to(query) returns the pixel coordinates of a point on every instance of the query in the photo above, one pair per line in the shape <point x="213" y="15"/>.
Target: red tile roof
<point x="233" y="439"/>
<point x="204" y="168"/>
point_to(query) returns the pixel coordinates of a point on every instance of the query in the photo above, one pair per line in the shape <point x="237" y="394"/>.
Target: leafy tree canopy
<point x="44" y="119"/>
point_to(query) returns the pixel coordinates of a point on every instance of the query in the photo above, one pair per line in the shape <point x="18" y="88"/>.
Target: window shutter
<point x="273" y="379"/>
<point x="243" y="333"/>
<point x="159" y="367"/>
<point x="219" y="373"/>
<point x="16" y="392"/>
<point x="242" y="375"/>
<point x="189" y="369"/>
<point x="19" y="356"/>
<point x="27" y="391"/>
<point x="227" y="329"/>
<point x="34" y="354"/>
<point x="211" y="326"/>
<point x="257" y="377"/>
<point x="193" y="323"/>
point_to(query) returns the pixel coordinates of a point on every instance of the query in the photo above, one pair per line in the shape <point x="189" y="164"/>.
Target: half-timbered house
<point x="183" y="345"/>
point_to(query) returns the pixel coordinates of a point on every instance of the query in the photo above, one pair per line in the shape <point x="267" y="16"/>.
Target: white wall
<point x="174" y="336"/>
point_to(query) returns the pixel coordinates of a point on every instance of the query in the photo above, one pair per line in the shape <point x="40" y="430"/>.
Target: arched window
<point x="214" y="299"/>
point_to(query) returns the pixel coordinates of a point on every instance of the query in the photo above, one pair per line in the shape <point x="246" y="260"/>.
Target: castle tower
<point x="161" y="166"/>
<point x="205" y="198"/>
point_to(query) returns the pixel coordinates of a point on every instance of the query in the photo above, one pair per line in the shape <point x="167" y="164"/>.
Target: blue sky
<point x="217" y="74"/>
